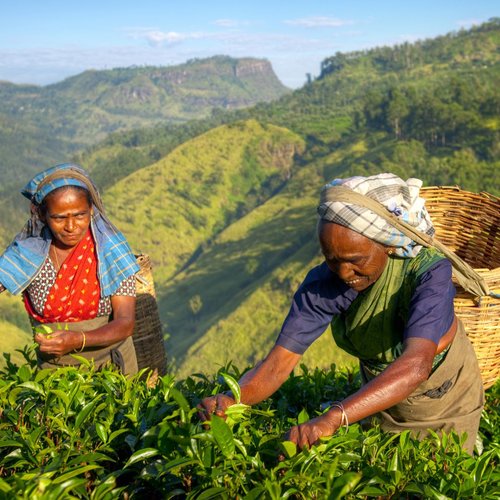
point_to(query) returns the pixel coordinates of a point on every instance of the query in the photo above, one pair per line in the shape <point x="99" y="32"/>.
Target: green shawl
<point x="372" y="328"/>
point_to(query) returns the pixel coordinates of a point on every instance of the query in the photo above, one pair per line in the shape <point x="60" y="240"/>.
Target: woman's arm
<point x="257" y="384"/>
<point x="392" y="386"/>
<point x="119" y="328"/>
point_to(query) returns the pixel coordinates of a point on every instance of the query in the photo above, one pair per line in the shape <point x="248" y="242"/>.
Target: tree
<point x="397" y="110"/>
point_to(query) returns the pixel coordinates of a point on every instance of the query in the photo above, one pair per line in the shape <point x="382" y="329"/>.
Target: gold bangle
<point x="83" y="341"/>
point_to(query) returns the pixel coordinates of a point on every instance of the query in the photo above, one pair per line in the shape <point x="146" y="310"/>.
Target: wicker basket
<point x="148" y="338"/>
<point x="468" y="223"/>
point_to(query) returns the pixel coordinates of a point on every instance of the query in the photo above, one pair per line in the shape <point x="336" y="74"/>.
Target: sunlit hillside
<point x="42" y="125"/>
<point x="174" y="208"/>
<point x="226" y="205"/>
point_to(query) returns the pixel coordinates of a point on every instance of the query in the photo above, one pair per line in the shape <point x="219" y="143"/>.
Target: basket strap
<point x="467" y="277"/>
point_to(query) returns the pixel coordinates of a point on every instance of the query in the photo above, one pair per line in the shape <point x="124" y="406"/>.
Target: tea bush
<point x="81" y="433"/>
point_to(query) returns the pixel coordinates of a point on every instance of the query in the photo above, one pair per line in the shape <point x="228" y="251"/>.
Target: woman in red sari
<point x="67" y="293"/>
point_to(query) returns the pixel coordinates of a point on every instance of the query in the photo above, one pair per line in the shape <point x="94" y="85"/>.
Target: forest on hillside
<point x="247" y="181"/>
<point x="439" y="96"/>
<point x="48" y="124"/>
<point x="225" y="206"/>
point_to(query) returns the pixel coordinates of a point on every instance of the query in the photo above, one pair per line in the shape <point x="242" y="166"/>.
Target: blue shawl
<point x="23" y="258"/>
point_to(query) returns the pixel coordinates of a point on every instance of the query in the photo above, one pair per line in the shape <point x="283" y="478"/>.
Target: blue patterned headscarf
<point x="399" y="197"/>
<point x="66" y="174"/>
<point x="22" y="259"/>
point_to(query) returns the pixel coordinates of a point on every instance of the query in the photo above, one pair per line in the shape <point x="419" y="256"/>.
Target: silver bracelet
<point x="344" y="421"/>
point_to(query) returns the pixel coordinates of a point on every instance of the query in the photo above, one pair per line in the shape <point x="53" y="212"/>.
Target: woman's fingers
<point x="301" y="436"/>
<point x="57" y="343"/>
<point x="214" y="405"/>
<point x="309" y="433"/>
<point x="206" y="408"/>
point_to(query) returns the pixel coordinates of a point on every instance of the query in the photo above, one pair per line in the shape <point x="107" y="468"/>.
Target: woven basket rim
<point x="469" y="220"/>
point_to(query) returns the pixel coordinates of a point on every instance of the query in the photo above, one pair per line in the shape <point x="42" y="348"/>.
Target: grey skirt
<point x="452" y="398"/>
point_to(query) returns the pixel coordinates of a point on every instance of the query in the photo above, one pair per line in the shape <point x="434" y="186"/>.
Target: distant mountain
<point x="43" y="125"/>
<point x="225" y="205"/>
<point x="429" y="110"/>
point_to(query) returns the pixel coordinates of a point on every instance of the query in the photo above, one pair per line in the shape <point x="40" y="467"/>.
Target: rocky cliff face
<point x="143" y="96"/>
<point x="252" y="67"/>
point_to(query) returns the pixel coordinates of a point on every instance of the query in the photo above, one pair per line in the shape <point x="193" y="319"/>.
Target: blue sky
<point x="45" y="41"/>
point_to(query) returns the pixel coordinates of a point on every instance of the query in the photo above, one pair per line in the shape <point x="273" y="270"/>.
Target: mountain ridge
<point x="83" y="109"/>
<point x="226" y="205"/>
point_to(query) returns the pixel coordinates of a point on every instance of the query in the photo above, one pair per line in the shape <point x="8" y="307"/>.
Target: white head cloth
<point x="399" y="197"/>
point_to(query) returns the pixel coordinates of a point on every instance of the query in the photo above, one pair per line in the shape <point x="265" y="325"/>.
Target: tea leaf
<point x="141" y="455"/>
<point x="303" y="416"/>
<point x="85" y="412"/>
<point x="75" y="472"/>
<point x="344" y="484"/>
<point x="34" y="386"/>
<point x="289" y="448"/>
<point x="223" y="435"/>
<point x="216" y="492"/>
<point x="233" y="386"/>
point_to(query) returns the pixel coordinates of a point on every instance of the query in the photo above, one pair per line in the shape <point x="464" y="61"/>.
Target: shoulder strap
<point x="467" y="277"/>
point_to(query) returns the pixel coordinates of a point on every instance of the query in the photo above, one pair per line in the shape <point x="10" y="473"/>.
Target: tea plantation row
<point x="80" y="433"/>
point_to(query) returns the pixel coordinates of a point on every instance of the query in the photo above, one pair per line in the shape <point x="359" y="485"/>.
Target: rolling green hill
<point x="43" y="125"/>
<point x="438" y="95"/>
<point x="174" y="208"/>
<point x="225" y="205"/>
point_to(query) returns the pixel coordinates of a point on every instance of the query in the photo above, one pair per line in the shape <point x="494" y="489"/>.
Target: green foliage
<point x="45" y="125"/>
<point x="14" y="327"/>
<point x="176" y="206"/>
<point x="78" y="433"/>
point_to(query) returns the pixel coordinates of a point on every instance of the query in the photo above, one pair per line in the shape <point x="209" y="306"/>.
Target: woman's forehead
<point x="67" y="195"/>
<point x="341" y="238"/>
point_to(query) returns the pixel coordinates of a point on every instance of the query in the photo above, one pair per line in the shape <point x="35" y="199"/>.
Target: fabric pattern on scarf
<point x="75" y="294"/>
<point x="41" y="185"/>
<point x="24" y="257"/>
<point x="399" y="197"/>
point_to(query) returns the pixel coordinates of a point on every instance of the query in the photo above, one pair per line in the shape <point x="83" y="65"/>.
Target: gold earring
<point x="390" y="252"/>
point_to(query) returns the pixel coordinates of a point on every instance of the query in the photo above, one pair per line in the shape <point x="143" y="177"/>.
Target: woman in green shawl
<point x="389" y="301"/>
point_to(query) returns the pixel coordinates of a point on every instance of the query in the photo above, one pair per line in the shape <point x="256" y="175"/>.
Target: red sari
<point x="74" y="296"/>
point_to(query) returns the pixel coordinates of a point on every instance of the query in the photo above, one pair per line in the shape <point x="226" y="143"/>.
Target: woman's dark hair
<point x="42" y="208"/>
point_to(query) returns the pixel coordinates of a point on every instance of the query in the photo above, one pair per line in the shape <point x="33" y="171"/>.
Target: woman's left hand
<point x="307" y="434"/>
<point x="59" y="342"/>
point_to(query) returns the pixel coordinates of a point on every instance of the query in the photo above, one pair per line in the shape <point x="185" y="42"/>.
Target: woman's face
<point x="354" y="258"/>
<point x="68" y="215"/>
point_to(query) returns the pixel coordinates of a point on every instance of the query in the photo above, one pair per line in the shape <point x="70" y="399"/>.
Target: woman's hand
<point x="214" y="405"/>
<point x="62" y="342"/>
<point x="307" y="434"/>
<point x="59" y="342"/>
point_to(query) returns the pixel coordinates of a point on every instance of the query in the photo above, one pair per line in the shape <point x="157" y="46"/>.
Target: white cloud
<point x="156" y="37"/>
<point x="318" y="22"/>
<point x="230" y="23"/>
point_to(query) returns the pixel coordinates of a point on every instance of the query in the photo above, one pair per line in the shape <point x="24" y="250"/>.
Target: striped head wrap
<point x="65" y="174"/>
<point x="25" y="255"/>
<point x="400" y="198"/>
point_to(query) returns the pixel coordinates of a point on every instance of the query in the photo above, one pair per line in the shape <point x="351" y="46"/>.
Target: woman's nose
<point x="344" y="271"/>
<point x="70" y="224"/>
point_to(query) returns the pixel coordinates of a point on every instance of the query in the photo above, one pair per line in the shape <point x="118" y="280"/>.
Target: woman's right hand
<point x="59" y="342"/>
<point x="214" y="405"/>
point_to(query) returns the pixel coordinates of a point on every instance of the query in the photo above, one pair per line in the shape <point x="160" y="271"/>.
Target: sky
<point x="46" y="41"/>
